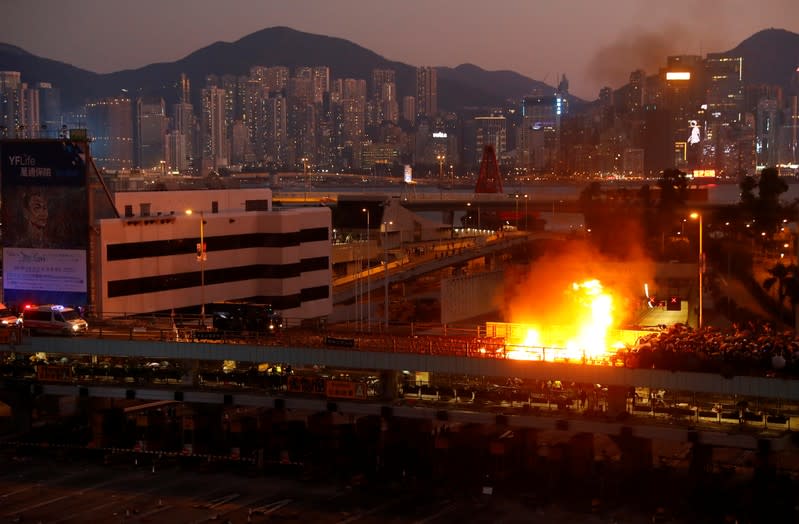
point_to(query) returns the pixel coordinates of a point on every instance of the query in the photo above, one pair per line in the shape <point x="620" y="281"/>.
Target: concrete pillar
<point x="617" y="400"/>
<point x="580" y="455"/>
<point x="389" y="381"/>
<point x="701" y="459"/>
<point x="636" y="453"/>
<point x="191" y="368"/>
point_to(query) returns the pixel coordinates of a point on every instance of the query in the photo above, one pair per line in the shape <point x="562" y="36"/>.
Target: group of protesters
<point x="754" y="348"/>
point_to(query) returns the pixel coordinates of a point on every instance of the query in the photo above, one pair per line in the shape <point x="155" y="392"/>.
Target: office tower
<point x="725" y="88"/>
<point x="426" y="91"/>
<point x="185" y="89"/>
<point x="10" y="83"/>
<point x="151" y="131"/>
<point x="539" y="134"/>
<point x="683" y="94"/>
<point x="110" y="125"/>
<point x="409" y="109"/>
<point x="177" y="154"/>
<point x="49" y="109"/>
<point x="766" y="132"/>
<point x="656" y="139"/>
<point x="490" y="130"/>
<point x="389" y="108"/>
<point x="184" y="122"/>
<point x="214" y="134"/>
<point x="637" y="92"/>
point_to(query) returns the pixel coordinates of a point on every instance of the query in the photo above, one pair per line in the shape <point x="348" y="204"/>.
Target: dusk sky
<point x="537" y="38"/>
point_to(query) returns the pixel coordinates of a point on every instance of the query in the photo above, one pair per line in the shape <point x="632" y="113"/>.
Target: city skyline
<point x="624" y="35"/>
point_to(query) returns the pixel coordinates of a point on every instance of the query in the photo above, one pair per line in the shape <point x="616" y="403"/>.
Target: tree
<point x="786" y="278"/>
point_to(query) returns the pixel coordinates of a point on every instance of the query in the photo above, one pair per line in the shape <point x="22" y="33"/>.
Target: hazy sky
<point x="594" y="42"/>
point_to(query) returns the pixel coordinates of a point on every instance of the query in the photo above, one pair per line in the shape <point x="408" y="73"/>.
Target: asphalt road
<point x="40" y="490"/>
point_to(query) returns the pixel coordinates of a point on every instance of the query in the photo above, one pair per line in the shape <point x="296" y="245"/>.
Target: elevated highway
<point x="447" y="355"/>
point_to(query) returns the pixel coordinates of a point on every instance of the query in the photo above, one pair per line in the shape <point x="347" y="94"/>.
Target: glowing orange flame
<point x="581" y="334"/>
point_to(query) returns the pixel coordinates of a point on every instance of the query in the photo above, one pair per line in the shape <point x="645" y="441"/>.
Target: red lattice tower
<point x="489" y="180"/>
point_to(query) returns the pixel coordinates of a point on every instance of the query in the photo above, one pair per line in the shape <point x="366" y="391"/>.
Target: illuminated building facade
<point x="110" y="124"/>
<point x="426" y="91"/>
<point x="151" y="131"/>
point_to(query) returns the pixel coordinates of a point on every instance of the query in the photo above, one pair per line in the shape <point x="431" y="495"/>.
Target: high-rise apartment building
<point x="213" y="130"/>
<point x="276" y="78"/>
<point x="10" y="83"/>
<point x="426" y="91"/>
<point x="30" y="122"/>
<point x="353" y="108"/>
<point x="409" y="108"/>
<point x="321" y="83"/>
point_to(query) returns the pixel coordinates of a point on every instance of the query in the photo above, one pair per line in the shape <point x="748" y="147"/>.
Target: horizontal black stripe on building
<point x="183" y="246"/>
<point x="152" y="284"/>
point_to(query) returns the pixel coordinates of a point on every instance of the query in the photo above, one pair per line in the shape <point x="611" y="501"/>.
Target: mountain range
<point x="770" y="56"/>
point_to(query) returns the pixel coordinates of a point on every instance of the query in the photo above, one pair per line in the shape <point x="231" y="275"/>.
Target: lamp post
<point x="385" y="272"/>
<point x="441" y="159"/>
<point x="305" y="177"/>
<point x="695" y="216"/>
<point x="201" y="259"/>
<point x="368" y="273"/>
<point x="517" y="211"/>
<point x="525" y="211"/>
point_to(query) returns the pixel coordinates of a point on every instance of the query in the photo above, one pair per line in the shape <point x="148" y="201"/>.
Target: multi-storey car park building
<point x="139" y="252"/>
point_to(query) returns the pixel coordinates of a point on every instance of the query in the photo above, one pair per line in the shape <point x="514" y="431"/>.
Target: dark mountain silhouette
<point x="463" y="86"/>
<point x="770" y="56"/>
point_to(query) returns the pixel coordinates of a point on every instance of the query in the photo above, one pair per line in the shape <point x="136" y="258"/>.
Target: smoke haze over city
<point x="595" y="44"/>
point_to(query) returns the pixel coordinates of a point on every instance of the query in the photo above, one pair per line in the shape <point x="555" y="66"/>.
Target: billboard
<point x="45" y="222"/>
<point x="678" y="75"/>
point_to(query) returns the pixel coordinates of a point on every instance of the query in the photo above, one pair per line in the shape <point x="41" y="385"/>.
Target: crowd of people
<point x="755" y="348"/>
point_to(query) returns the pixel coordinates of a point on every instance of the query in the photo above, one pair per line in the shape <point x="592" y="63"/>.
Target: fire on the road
<point x="580" y="334"/>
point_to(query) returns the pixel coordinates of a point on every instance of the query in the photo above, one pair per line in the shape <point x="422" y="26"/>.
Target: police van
<point x="54" y="320"/>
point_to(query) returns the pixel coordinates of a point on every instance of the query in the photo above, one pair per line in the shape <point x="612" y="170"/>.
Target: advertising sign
<point x="45" y="222"/>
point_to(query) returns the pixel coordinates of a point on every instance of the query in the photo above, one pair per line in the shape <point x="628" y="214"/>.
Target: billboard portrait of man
<point x="45" y="221"/>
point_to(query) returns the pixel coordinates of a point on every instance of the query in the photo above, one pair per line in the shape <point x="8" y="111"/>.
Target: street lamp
<point x="385" y="271"/>
<point x="305" y="177"/>
<point x="525" y="211"/>
<point x="695" y="216"/>
<point x="517" y="211"/>
<point x="368" y="273"/>
<point x="201" y="257"/>
<point x="441" y="159"/>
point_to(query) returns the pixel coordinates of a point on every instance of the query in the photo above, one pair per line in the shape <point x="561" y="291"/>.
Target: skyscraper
<point x="151" y="132"/>
<point x="183" y="122"/>
<point x="321" y="83"/>
<point x="213" y="131"/>
<point x="426" y="91"/>
<point x="10" y="83"/>
<point x="110" y="124"/>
